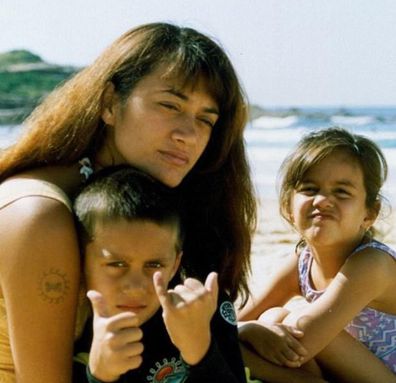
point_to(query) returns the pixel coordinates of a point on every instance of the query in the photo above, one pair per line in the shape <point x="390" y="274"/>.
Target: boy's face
<point x="120" y="262"/>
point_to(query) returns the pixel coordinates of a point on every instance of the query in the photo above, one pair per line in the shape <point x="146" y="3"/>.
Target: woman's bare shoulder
<point x="36" y="225"/>
<point x="26" y="187"/>
<point x="34" y="209"/>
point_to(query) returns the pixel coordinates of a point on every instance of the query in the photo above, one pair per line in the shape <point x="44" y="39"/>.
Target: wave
<point x="270" y="122"/>
<point x="276" y="137"/>
<point x="278" y="118"/>
<point x="353" y="120"/>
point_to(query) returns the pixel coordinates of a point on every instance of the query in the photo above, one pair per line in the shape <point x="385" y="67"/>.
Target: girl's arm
<point x="39" y="268"/>
<point x="345" y="360"/>
<point x="276" y="343"/>
<point x="279" y="289"/>
<point x="364" y="277"/>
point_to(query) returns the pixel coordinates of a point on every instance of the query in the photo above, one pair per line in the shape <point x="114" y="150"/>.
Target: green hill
<point x="17" y="57"/>
<point x="24" y="80"/>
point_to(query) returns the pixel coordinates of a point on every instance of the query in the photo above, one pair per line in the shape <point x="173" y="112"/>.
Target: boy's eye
<point x="154" y="265"/>
<point x="117" y="264"/>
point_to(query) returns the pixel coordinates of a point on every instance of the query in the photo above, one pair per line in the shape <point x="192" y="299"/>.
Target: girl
<point x="330" y="194"/>
<point x="162" y="98"/>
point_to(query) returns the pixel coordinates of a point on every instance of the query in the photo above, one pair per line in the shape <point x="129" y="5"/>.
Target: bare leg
<point x="271" y="373"/>
<point x="349" y="361"/>
<point x="273" y="315"/>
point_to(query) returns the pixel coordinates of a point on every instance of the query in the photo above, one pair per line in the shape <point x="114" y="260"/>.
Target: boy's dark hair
<point x="123" y="192"/>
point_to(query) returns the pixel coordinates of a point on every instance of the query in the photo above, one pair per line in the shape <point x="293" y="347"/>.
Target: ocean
<point x="271" y="137"/>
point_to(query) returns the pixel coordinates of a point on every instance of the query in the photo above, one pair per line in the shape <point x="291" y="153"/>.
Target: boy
<point x="131" y="237"/>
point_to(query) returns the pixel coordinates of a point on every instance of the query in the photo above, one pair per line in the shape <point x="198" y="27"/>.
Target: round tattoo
<point x="53" y="286"/>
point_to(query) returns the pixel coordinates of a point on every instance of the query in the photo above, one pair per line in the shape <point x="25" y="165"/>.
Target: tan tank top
<point x="10" y="191"/>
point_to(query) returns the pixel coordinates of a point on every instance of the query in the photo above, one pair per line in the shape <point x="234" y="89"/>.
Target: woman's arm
<point x="322" y="320"/>
<point x="279" y="289"/>
<point x="39" y="268"/>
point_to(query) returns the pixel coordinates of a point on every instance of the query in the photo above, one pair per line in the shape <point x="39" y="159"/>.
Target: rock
<point x="25" y="79"/>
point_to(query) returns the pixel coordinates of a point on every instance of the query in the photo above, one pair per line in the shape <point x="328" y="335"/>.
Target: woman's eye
<point x="207" y="122"/>
<point x="169" y="106"/>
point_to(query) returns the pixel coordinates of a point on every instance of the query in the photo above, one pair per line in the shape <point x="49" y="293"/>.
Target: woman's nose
<point x="185" y="129"/>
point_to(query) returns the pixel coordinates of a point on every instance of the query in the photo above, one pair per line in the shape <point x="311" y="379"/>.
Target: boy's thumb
<point x="98" y="303"/>
<point x="212" y="285"/>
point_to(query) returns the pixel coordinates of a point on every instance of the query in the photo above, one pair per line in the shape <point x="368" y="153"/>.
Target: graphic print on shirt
<point x="227" y="311"/>
<point x="173" y="371"/>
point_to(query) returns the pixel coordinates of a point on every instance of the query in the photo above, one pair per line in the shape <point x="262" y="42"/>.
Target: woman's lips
<point x="175" y="157"/>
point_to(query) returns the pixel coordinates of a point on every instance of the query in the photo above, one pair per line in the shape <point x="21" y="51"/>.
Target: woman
<point x="161" y="98"/>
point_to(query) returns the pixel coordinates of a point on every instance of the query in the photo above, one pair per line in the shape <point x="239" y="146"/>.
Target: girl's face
<point x="120" y="262"/>
<point x="329" y="208"/>
<point x="162" y="128"/>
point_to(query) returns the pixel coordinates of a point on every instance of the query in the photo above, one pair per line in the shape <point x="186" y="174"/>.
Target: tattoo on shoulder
<point x="53" y="286"/>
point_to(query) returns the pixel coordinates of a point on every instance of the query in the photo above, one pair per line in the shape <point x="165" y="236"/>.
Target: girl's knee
<point x="273" y="315"/>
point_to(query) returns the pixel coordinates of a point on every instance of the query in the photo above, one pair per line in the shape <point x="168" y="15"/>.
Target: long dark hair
<point x="219" y="198"/>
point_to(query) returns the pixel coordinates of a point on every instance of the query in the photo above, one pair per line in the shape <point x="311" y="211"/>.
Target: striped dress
<point x="375" y="329"/>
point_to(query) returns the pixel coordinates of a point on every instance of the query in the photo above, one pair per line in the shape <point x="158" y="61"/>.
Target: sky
<point x="286" y="52"/>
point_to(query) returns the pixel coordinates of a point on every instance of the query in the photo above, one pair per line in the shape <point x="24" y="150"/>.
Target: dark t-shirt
<point x="161" y="359"/>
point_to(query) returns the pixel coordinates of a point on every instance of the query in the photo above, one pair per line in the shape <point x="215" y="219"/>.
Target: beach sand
<point x="274" y="240"/>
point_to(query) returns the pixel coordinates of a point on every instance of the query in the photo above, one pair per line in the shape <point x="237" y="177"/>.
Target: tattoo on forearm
<point x="53" y="286"/>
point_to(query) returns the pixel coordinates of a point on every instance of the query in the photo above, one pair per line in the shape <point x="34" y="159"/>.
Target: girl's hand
<point x="187" y="312"/>
<point x="116" y="346"/>
<point x="276" y="343"/>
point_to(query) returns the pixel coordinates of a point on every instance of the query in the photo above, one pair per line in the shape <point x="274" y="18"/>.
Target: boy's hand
<point x="116" y="346"/>
<point x="276" y="343"/>
<point x="187" y="312"/>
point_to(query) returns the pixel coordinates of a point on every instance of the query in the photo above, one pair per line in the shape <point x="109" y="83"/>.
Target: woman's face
<point x="162" y="128"/>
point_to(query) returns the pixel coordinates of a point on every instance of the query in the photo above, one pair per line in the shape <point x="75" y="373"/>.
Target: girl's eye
<point x="342" y="193"/>
<point x="117" y="264"/>
<point x="307" y="190"/>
